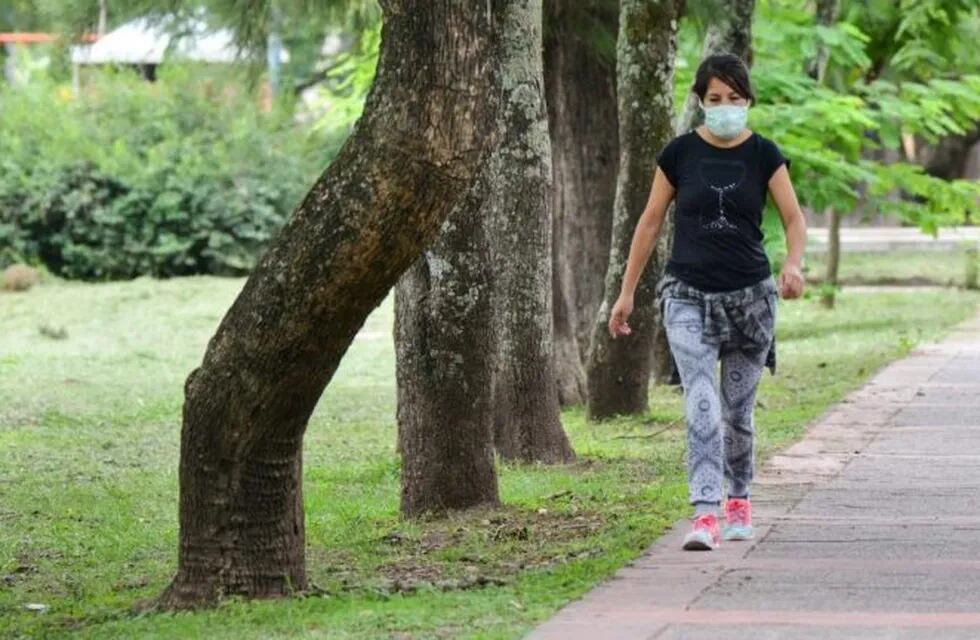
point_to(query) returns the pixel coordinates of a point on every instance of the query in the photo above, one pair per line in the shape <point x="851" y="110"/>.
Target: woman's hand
<point x="791" y="282"/>
<point x="620" y="313"/>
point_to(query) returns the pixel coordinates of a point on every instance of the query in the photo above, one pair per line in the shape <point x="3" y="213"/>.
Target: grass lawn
<point x="906" y="267"/>
<point x="89" y="436"/>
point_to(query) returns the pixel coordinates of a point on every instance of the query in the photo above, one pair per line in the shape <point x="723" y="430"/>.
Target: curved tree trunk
<point x="580" y="83"/>
<point x="619" y="370"/>
<point x="527" y="417"/>
<point x="414" y="151"/>
<point x="473" y="324"/>
<point x="730" y="31"/>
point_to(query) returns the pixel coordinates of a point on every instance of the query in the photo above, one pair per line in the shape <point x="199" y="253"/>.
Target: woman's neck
<point x="714" y="140"/>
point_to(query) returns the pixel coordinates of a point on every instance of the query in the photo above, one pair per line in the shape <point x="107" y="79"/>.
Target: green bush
<point x="182" y="176"/>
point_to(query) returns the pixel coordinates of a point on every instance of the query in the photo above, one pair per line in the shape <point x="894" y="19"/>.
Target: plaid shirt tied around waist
<point x="727" y="314"/>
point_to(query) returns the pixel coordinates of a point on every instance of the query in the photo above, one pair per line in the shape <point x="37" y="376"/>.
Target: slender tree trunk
<point x="580" y="83"/>
<point x="827" y="15"/>
<point x="731" y="32"/>
<point x="619" y="370"/>
<point x="829" y="297"/>
<point x="527" y="417"/>
<point x="473" y="325"/>
<point x="414" y="151"/>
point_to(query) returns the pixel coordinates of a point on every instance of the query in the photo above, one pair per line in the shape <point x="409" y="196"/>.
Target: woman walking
<point x="718" y="295"/>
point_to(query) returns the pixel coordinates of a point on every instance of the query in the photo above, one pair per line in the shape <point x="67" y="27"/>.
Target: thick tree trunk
<point x="473" y="324"/>
<point x="948" y="159"/>
<point x="527" y="417"/>
<point x="444" y="348"/>
<point x="580" y="84"/>
<point x="619" y="370"/>
<point x="414" y="151"/>
<point x="729" y="32"/>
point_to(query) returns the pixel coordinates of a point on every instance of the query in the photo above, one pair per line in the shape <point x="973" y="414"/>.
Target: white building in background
<point x="145" y="44"/>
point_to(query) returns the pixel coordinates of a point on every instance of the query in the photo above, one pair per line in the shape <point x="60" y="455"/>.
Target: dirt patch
<point x="23" y="568"/>
<point x="468" y="550"/>
<point x="491" y="548"/>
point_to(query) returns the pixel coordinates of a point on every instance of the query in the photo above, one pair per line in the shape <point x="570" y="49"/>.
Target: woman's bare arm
<point x="647" y="230"/>
<point x="794" y="223"/>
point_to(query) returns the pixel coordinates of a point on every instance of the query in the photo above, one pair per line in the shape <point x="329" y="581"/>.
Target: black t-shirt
<point x="720" y="194"/>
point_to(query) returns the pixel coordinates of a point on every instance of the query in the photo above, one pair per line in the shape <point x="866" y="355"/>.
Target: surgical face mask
<point x="725" y="120"/>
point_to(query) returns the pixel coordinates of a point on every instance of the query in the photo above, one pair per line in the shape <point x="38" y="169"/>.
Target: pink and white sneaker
<point x="706" y="534"/>
<point x="738" y="520"/>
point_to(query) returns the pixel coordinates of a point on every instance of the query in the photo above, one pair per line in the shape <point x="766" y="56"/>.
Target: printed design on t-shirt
<point x="723" y="177"/>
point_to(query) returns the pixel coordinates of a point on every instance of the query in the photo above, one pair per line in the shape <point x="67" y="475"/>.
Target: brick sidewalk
<point x="867" y="528"/>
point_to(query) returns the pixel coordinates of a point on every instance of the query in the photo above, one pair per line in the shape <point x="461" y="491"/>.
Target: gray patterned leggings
<point x="720" y="426"/>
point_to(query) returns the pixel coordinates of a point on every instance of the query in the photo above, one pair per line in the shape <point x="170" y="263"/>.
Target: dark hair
<point x="728" y="68"/>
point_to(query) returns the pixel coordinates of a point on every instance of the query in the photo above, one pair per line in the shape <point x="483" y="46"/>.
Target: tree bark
<point x="413" y="152"/>
<point x="829" y="297"/>
<point x="580" y="85"/>
<point x="527" y="416"/>
<point x="729" y="32"/>
<point x="474" y="323"/>
<point x="619" y="370"/>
